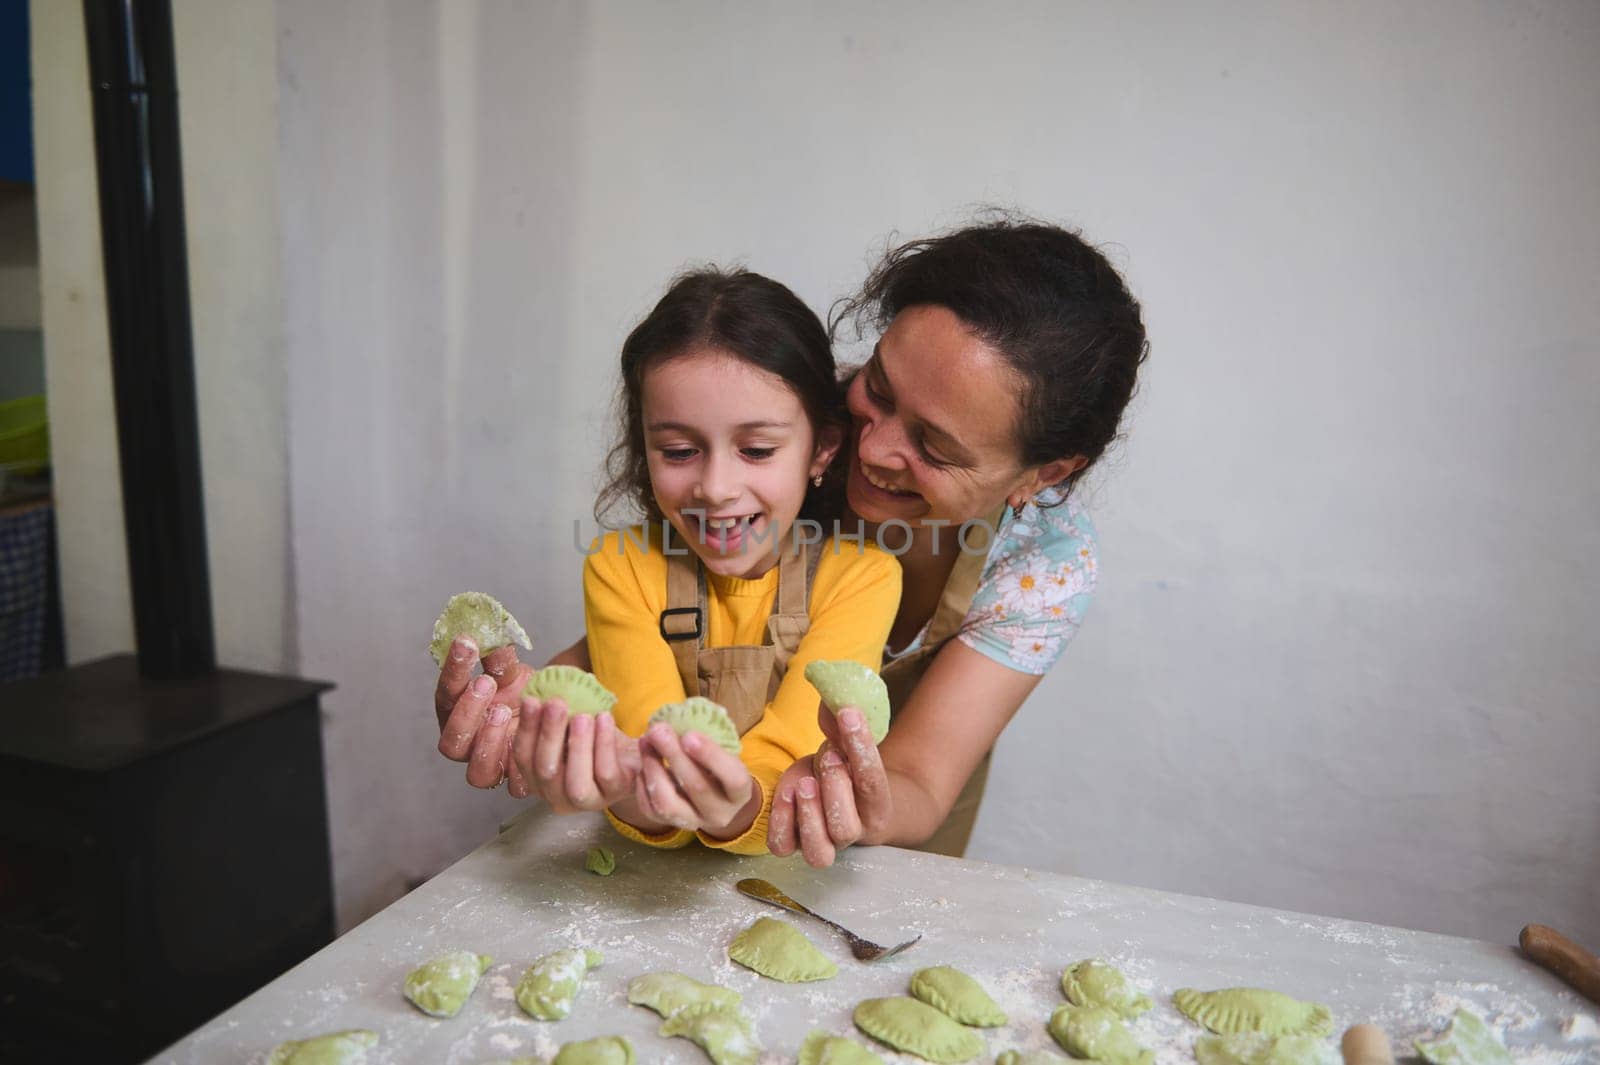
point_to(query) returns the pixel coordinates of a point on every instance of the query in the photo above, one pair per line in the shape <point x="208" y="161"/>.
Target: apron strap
<point x="959" y="588"/>
<point x="683" y="622"/>
<point x="791" y="616"/>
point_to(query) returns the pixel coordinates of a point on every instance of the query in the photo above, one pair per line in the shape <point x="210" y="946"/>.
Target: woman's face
<point x="935" y="435"/>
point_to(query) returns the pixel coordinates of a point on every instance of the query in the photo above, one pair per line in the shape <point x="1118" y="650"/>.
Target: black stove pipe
<point x="133" y="78"/>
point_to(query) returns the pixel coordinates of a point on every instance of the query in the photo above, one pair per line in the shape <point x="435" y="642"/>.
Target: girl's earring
<point x="817" y="480"/>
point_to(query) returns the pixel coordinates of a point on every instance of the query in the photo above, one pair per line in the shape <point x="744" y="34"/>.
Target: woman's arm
<point x="899" y="792"/>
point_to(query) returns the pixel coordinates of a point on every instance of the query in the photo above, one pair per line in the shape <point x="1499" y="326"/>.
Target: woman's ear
<point x="828" y="444"/>
<point x="1042" y="477"/>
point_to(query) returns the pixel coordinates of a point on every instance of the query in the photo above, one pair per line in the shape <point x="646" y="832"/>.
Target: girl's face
<point x="936" y="411"/>
<point x="731" y="453"/>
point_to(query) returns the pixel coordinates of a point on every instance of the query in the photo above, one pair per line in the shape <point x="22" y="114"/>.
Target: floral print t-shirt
<point x="1037" y="583"/>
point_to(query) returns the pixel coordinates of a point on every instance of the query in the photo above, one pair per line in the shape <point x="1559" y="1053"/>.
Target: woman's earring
<point x="817" y="480"/>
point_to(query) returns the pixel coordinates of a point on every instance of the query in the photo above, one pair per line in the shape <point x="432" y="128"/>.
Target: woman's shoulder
<point x="1059" y="535"/>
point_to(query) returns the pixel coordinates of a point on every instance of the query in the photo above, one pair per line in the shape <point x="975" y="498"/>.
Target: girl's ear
<point x="828" y="443"/>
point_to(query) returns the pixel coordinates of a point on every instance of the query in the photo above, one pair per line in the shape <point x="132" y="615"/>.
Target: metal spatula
<point x="863" y="950"/>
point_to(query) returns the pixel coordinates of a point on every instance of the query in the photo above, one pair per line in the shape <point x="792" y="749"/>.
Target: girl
<point x="731" y="414"/>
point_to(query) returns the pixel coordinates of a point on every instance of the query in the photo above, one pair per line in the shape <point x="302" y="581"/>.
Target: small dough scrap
<point x="1029" y="1057"/>
<point x="917" y="1028"/>
<point x="1094" y="983"/>
<point x="820" y="1048"/>
<point x="699" y="714"/>
<point x="1252" y="1009"/>
<point x="1097" y="1033"/>
<point x="1468" y="1041"/>
<point x="667" y="993"/>
<point x="479" y="616"/>
<point x="604" y="1050"/>
<point x="725" y="1033"/>
<point x="1258" y="1048"/>
<point x="780" y="951"/>
<point x="600" y="861"/>
<point x="845" y="682"/>
<point x="958" y="996"/>
<point x="335" y="1048"/>
<point x="549" y="985"/>
<point x="578" y="688"/>
<point x="441" y="986"/>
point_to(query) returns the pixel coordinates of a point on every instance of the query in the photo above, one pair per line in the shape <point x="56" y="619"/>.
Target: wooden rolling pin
<point x="1365" y="1044"/>
<point x="1554" y="951"/>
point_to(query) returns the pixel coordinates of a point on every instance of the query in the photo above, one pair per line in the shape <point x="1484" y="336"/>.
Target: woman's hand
<point x="476" y="718"/>
<point x="572" y="761"/>
<point x="833" y="799"/>
<point x="688" y="782"/>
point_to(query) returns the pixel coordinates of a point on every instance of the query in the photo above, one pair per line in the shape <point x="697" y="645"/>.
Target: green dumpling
<point x="1097" y="1032"/>
<point x="1094" y="983"/>
<point x="725" y="1033"/>
<point x="1029" y="1057"/>
<point x="698" y="714"/>
<point x="336" y="1048"/>
<point x="667" y="993"/>
<point x="1258" y="1048"/>
<point x="578" y="688"/>
<point x="958" y="996"/>
<point x="549" y="985"/>
<point x="479" y="616"/>
<point x="1252" y="1009"/>
<point x="820" y="1048"/>
<point x="441" y="986"/>
<point x="780" y="951"/>
<point x="604" y="1050"/>
<point x="1468" y="1041"/>
<point x="845" y="683"/>
<point x="917" y="1028"/>
<point x="600" y="861"/>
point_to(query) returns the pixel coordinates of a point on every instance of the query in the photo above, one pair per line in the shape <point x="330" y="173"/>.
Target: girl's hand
<point x="690" y="782"/>
<point x="572" y="761"/>
<point x="833" y="799"/>
<point x="475" y="714"/>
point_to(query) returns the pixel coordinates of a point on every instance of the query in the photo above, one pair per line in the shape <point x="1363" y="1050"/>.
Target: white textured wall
<point x="227" y="79"/>
<point x="1338" y="661"/>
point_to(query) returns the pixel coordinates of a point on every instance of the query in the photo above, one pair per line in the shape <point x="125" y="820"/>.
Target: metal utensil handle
<point x="765" y="892"/>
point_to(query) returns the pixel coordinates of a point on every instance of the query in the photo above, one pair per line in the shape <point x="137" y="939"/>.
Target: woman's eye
<point x="759" y="453"/>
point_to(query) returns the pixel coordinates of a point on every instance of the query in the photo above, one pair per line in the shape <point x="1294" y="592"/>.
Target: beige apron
<point x="742" y="678"/>
<point x="902" y="675"/>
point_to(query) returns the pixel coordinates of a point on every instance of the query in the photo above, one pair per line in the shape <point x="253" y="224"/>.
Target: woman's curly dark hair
<point x="1048" y="301"/>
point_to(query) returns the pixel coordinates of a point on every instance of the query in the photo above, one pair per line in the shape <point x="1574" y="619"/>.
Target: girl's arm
<point x="901" y="792"/>
<point x="853" y="601"/>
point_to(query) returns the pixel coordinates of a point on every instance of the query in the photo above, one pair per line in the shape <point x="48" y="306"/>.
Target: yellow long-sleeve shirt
<point x="854" y="595"/>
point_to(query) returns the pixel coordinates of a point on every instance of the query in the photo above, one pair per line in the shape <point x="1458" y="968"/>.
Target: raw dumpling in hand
<point x="548" y="987"/>
<point x="578" y="688"/>
<point x="698" y="714"/>
<point x="480" y="617"/>
<point x="440" y="987"/>
<point x="845" y="683"/>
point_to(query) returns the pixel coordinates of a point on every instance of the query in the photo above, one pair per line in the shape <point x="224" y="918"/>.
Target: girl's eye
<point x="759" y="453"/>
<point x="677" y="454"/>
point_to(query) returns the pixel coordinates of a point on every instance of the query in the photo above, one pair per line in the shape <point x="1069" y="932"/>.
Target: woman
<point x="1008" y="353"/>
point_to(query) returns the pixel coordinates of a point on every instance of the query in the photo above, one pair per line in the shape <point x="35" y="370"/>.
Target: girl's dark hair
<point x="746" y="315"/>
<point x="1051" y="304"/>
